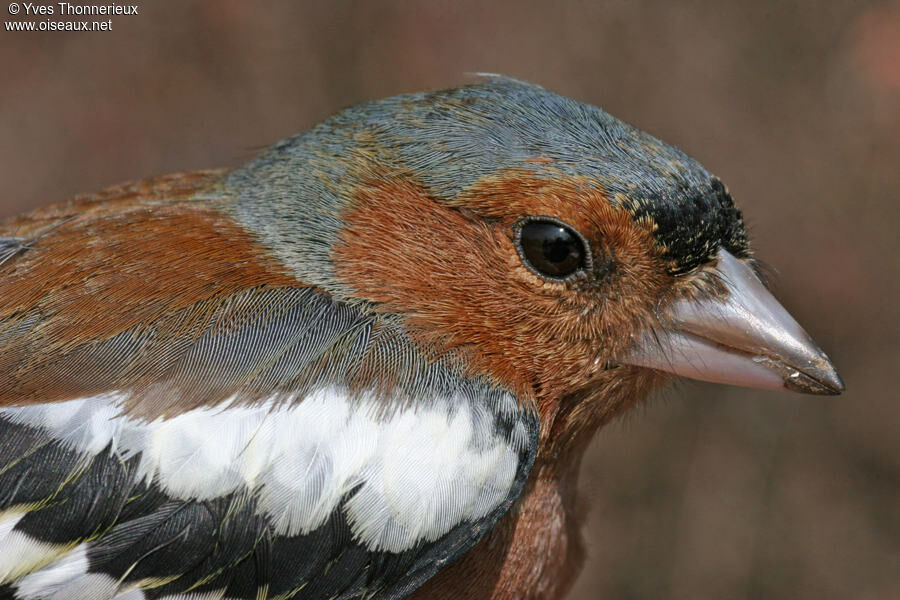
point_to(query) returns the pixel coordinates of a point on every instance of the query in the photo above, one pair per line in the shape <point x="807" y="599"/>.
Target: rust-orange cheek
<point x="460" y="284"/>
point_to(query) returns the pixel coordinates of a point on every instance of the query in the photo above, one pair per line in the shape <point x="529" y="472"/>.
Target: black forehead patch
<point x="692" y="223"/>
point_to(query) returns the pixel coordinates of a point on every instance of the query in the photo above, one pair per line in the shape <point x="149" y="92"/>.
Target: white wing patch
<point x="67" y="578"/>
<point x="8" y="521"/>
<point x="428" y="475"/>
<point x="418" y="472"/>
<point x="215" y="595"/>
<point x="56" y="578"/>
<point x="23" y="554"/>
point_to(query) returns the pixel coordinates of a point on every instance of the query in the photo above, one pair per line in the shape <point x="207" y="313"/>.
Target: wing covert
<point x="294" y="446"/>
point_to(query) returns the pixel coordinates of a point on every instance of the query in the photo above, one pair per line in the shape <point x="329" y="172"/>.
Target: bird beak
<point x="746" y="338"/>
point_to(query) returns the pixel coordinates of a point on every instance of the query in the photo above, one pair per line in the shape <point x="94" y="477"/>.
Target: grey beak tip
<point x="837" y="385"/>
<point x="821" y="381"/>
<point x="832" y="384"/>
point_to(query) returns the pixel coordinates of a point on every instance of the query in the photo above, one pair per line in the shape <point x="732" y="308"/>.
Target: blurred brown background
<point x="710" y="492"/>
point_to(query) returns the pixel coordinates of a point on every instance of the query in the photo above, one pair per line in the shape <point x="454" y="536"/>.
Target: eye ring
<point x="552" y="249"/>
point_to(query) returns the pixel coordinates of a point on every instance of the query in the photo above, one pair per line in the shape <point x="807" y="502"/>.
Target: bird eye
<point x="551" y="248"/>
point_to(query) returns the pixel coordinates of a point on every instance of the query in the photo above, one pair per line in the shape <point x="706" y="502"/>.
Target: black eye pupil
<point x="551" y="249"/>
<point x="557" y="249"/>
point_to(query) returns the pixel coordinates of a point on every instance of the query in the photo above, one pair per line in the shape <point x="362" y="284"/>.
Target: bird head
<point x="536" y="241"/>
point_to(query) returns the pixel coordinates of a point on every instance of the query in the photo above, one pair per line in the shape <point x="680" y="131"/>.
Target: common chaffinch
<point x="368" y="361"/>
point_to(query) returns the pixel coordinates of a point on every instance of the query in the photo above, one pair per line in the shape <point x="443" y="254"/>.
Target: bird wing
<point x="178" y="421"/>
